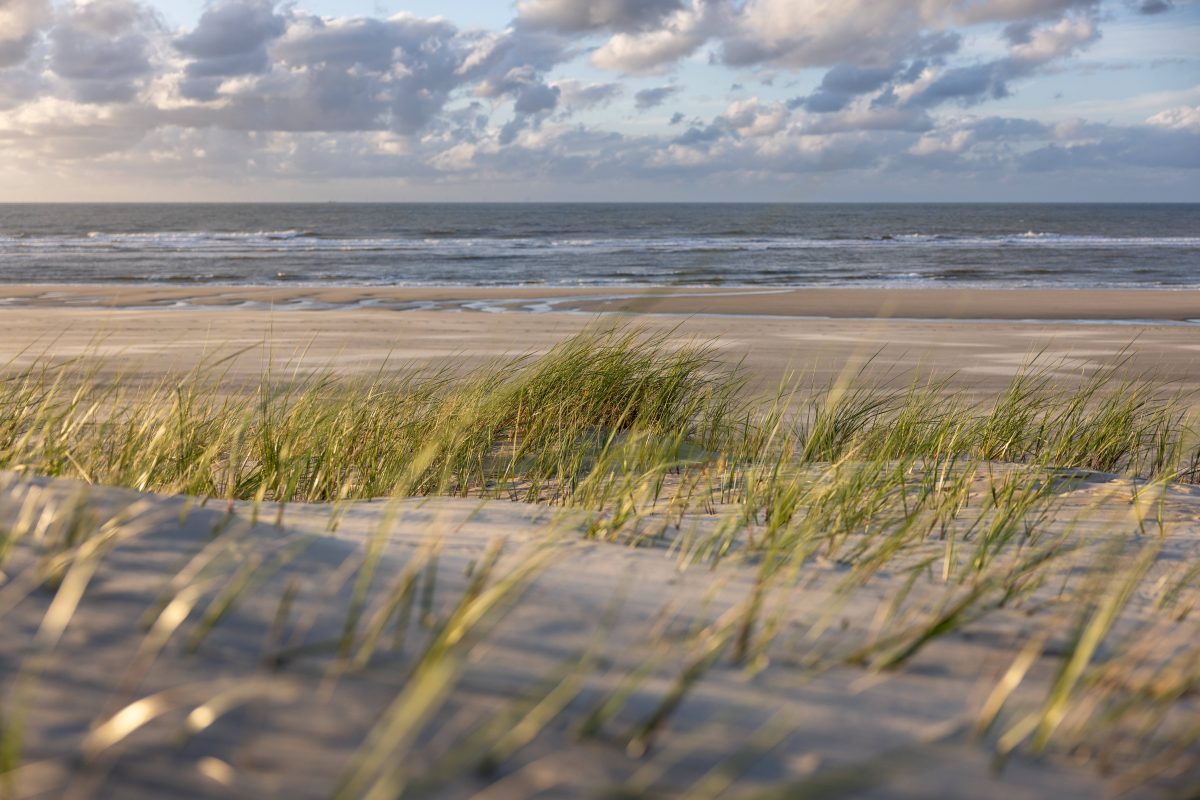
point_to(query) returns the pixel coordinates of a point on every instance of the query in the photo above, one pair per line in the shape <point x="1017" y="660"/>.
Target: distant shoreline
<point x="1150" y="306"/>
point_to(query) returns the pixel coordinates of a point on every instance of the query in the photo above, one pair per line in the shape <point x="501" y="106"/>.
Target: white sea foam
<point x="170" y="237"/>
<point x="600" y="246"/>
<point x="299" y="239"/>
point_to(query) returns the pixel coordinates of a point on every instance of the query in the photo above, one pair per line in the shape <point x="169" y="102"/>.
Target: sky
<point x="600" y="100"/>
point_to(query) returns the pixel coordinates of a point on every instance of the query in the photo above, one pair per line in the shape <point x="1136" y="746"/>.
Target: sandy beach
<point x="240" y="688"/>
<point x="1124" y="305"/>
<point x="980" y="338"/>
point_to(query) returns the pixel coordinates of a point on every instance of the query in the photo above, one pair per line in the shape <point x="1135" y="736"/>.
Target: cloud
<point x="1149" y="7"/>
<point x="938" y="144"/>
<point x="967" y="84"/>
<point x="1185" y="118"/>
<point x="575" y="16"/>
<point x="824" y="33"/>
<point x="817" y="33"/>
<point x="742" y="120"/>
<point x="102" y="49"/>
<point x="753" y="118"/>
<point x="842" y="84"/>
<point x="696" y="135"/>
<point x="654" y="97"/>
<point x="868" y="117"/>
<point x="21" y="27"/>
<point x="263" y="90"/>
<point x="339" y="77"/>
<point x="1148" y="146"/>
<point x="679" y="34"/>
<point x="18" y="87"/>
<point x="370" y="74"/>
<point x="230" y="39"/>
<point x="512" y="65"/>
<point x="1008" y="129"/>
<point x="534" y="98"/>
<point x="576" y="95"/>
<point x="20" y="24"/>
<point x="1037" y="46"/>
<point x="248" y="65"/>
<point x="928" y="81"/>
<point x="1029" y="48"/>
<point x="972" y="13"/>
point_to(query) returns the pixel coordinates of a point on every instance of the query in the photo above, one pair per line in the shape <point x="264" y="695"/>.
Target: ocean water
<point x="1008" y="245"/>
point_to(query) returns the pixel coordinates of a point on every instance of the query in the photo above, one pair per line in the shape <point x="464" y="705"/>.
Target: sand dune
<point x="288" y="713"/>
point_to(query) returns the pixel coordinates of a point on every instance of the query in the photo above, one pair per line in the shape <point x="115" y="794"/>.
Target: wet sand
<point x="870" y="303"/>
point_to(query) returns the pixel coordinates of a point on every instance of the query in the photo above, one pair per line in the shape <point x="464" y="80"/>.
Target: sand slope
<point x="297" y="712"/>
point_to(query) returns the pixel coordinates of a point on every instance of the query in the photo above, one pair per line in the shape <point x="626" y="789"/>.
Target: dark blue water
<point x="621" y="244"/>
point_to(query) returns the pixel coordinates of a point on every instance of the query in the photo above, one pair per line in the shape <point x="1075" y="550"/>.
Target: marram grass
<point x="600" y="411"/>
<point x="963" y="500"/>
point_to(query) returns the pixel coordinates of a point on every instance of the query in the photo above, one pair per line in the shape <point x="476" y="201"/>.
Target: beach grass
<point x="603" y="410"/>
<point x="641" y="436"/>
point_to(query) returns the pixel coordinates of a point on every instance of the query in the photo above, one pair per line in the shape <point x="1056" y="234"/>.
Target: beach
<point x="624" y="649"/>
<point x="986" y="303"/>
<point x="980" y="338"/>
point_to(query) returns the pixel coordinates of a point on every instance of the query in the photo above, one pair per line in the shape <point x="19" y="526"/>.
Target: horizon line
<point x="599" y="202"/>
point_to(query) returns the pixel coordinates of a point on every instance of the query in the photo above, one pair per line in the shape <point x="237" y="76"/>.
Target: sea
<point x="986" y="245"/>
